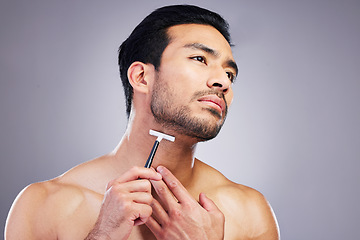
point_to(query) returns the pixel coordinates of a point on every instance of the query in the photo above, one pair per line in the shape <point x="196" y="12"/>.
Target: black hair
<point x="149" y="39"/>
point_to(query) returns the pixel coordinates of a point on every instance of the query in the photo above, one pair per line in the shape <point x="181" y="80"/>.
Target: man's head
<point x="149" y="39"/>
<point x="191" y="90"/>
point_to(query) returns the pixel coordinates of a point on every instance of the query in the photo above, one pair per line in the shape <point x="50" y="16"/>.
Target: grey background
<point x="292" y="131"/>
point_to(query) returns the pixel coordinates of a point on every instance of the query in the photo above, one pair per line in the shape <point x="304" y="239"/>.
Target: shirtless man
<point x="177" y="69"/>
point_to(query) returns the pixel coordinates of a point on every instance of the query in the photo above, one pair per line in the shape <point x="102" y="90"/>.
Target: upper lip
<point x="215" y="99"/>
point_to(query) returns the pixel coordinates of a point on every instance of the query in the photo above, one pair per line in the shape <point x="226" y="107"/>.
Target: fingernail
<point x="160" y="168"/>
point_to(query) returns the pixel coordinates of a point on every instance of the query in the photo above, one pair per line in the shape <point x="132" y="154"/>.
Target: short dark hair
<point x="149" y="39"/>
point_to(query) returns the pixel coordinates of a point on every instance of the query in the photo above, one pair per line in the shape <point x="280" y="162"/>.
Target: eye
<point x="200" y="59"/>
<point x="231" y="76"/>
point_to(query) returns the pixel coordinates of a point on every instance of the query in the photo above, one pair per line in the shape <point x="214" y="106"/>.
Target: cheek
<point x="183" y="82"/>
<point x="229" y="97"/>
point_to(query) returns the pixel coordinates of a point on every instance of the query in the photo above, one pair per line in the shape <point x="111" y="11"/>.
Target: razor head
<point x="161" y="136"/>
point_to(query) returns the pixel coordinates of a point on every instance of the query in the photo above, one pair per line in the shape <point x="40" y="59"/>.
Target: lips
<point x="214" y="102"/>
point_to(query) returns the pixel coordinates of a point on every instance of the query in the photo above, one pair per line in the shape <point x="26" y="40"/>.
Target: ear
<point x="138" y="75"/>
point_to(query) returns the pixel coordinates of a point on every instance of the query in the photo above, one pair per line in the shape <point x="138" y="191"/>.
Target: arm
<point x="248" y="214"/>
<point x="38" y="212"/>
<point x="26" y="216"/>
<point x="265" y="226"/>
<point x="183" y="217"/>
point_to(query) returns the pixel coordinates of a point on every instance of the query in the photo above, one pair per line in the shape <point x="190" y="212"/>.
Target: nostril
<point x="217" y="85"/>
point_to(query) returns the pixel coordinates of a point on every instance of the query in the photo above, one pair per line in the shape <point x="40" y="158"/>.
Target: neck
<point x="136" y="144"/>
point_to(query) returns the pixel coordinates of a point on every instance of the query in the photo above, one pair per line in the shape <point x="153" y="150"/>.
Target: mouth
<point x="214" y="102"/>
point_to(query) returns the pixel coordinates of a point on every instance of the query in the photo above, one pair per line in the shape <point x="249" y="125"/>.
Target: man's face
<point x="193" y="89"/>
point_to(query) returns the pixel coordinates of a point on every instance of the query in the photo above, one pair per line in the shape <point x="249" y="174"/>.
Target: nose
<point x="219" y="80"/>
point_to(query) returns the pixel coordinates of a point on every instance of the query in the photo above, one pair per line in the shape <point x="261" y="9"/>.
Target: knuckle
<point x="166" y="223"/>
<point x="147" y="184"/>
<point x="161" y="190"/>
<point x="173" y="184"/>
<point x="112" y="190"/>
<point x="191" y="207"/>
<point x="148" y="210"/>
<point x="148" y="198"/>
<point x="125" y="205"/>
<point x="176" y="213"/>
<point x="120" y="197"/>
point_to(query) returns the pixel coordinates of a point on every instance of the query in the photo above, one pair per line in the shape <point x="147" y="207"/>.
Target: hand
<point x="126" y="204"/>
<point x="179" y="215"/>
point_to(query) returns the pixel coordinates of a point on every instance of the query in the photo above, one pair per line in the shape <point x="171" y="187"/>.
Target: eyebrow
<point x="200" y="46"/>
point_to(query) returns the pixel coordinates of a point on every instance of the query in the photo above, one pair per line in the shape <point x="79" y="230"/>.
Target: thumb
<point x="207" y="203"/>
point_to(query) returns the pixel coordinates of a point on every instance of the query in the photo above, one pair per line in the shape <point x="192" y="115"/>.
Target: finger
<point x="174" y="185"/>
<point x="154" y="226"/>
<point x="141" y="185"/>
<point x="141" y="197"/>
<point x="134" y="174"/>
<point x="133" y="186"/>
<point x="139" y="172"/>
<point x="159" y="213"/>
<point x="207" y="203"/>
<point x="142" y="213"/>
<point x="164" y="194"/>
<point x="211" y="207"/>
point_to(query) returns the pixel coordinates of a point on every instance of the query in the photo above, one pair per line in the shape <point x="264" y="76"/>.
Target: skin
<point x="115" y="197"/>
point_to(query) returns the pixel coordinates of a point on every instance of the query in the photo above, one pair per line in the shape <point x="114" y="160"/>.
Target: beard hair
<point x="178" y="118"/>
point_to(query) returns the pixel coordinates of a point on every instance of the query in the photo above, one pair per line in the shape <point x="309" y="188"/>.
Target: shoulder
<point x="246" y="209"/>
<point x="40" y="207"/>
<point x="247" y="212"/>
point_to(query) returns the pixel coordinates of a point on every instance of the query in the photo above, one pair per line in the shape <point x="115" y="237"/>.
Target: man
<point x="177" y="70"/>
